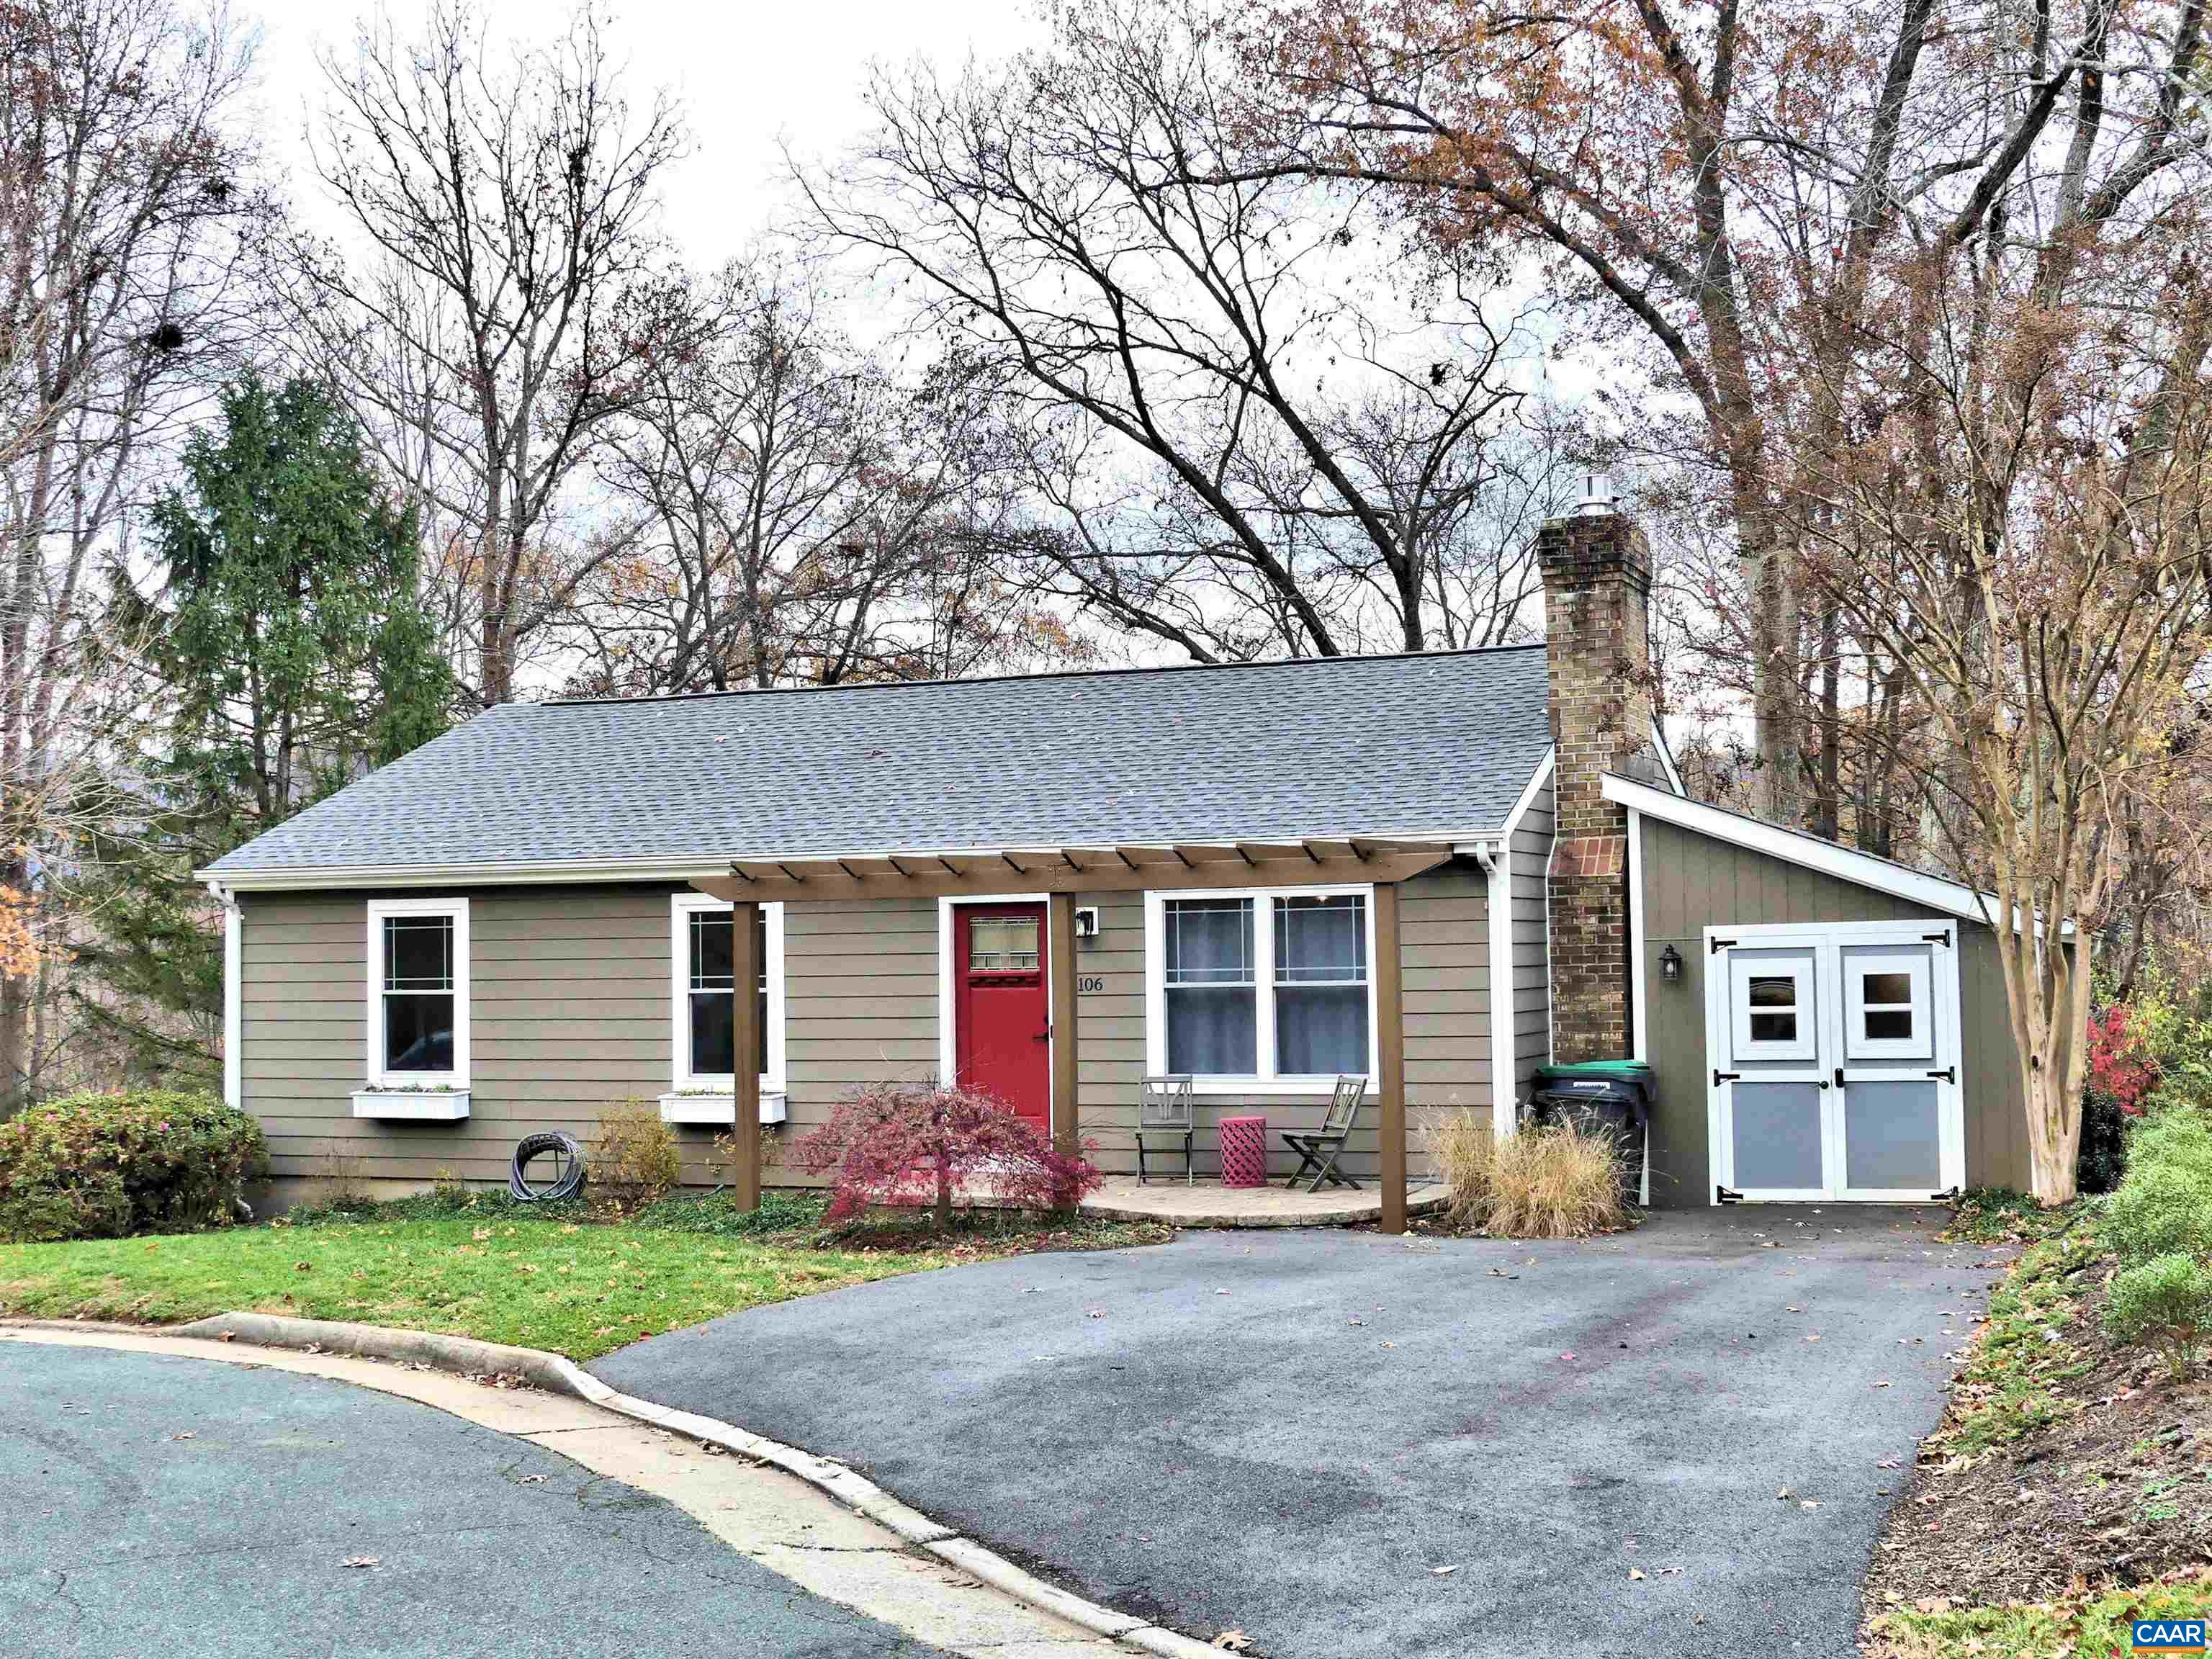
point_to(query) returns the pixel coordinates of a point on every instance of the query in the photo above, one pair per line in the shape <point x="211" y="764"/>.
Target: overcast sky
<point x="747" y="74"/>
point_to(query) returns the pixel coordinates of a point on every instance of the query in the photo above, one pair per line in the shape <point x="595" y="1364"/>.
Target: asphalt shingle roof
<point x="1408" y="745"/>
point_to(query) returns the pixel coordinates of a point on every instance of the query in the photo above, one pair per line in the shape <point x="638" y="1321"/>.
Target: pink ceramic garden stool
<point x="1243" y="1152"/>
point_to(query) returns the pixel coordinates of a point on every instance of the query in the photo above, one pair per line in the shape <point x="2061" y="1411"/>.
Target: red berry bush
<point x="905" y="1144"/>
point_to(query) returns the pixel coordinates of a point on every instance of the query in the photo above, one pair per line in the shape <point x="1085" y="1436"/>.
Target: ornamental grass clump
<point x="902" y="1145"/>
<point x="1549" y="1180"/>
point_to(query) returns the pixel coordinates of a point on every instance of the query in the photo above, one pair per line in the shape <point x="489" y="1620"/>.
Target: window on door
<point x="1253" y="987"/>
<point x="418" y="1009"/>
<point x="1885" y="1006"/>
<point x="704" y="1009"/>
<point x="1772" y="1013"/>
<point x="1002" y="945"/>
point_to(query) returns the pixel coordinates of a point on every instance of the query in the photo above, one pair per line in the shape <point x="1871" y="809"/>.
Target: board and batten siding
<point x="1693" y="882"/>
<point x="570" y="1011"/>
<point x="1532" y="943"/>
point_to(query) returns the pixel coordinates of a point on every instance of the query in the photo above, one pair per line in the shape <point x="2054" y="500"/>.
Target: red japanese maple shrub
<point x="2122" y="1067"/>
<point x="905" y="1143"/>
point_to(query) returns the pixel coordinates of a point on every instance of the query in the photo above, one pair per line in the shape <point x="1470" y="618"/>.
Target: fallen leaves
<point x="1233" y="1641"/>
<point x="1440" y="1573"/>
<point x="361" y="1561"/>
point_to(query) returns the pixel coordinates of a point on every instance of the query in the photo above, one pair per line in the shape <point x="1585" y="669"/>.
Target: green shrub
<point x="2176" y="1133"/>
<point x="2160" y="1208"/>
<point x="104" y="1166"/>
<point x="2164" y="1303"/>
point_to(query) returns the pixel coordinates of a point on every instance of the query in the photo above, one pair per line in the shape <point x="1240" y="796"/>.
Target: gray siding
<point x="1532" y="941"/>
<point x="570" y="1010"/>
<point x="1692" y="882"/>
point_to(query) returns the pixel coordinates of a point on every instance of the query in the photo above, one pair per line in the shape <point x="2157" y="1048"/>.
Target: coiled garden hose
<point x="567" y="1177"/>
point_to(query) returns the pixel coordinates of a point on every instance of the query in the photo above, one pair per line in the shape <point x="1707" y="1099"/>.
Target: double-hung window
<point x="1270" y="988"/>
<point x="703" y="993"/>
<point x="418" y="993"/>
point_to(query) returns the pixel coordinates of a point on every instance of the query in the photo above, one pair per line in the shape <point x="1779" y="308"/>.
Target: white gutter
<point x="324" y="877"/>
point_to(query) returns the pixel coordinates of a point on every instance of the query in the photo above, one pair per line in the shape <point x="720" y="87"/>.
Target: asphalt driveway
<point x="1348" y="1444"/>
<point x="188" y="1508"/>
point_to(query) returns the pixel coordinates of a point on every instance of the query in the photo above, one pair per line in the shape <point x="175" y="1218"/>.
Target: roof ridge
<point x="1125" y="671"/>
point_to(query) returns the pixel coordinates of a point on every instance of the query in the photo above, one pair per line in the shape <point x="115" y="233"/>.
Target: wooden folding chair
<point x="1164" y="1112"/>
<point x="1318" y="1151"/>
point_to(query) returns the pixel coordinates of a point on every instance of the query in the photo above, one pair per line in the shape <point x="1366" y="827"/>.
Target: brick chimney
<point x="1597" y="581"/>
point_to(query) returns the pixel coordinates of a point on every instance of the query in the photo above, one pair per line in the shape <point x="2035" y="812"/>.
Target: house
<point x="1436" y="870"/>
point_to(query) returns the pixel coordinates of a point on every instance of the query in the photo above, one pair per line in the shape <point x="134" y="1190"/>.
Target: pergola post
<point x="1390" y="1056"/>
<point x="745" y="1066"/>
<point x="1060" y="953"/>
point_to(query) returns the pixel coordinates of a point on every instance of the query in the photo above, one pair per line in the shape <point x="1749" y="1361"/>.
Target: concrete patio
<point x="1210" y="1204"/>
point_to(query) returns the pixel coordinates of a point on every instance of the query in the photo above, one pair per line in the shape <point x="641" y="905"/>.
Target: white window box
<point x="413" y="1105"/>
<point x="718" y="1110"/>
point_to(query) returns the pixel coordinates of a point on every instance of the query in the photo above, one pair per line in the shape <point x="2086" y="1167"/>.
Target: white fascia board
<point x="333" y="877"/>
<point x="1667" y="758"/>
<point x="327" y="877"/>
<point x="1806" y="851"/>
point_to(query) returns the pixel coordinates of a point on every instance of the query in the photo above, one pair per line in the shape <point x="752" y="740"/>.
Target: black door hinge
<point x="1936" y="938"/>
<point x="1726" y="1194"/>
<point x="1943" y="1197"/>
<point x="1721" y="945"/>
<point x="1720" y="1078"/>
<point x="1949" y="1074"/>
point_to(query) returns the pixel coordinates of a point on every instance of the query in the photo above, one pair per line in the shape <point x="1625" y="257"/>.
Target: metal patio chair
<point x="1164" y="1112"/>
<point x="1318" y="1149"/>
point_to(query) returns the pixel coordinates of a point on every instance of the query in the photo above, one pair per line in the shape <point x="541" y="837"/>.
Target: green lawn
<point x="481" y="1266"/>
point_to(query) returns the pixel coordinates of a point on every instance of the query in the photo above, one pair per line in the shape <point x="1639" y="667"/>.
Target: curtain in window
<point x="1211" y="995"/>
<point x="713" y="989"/>
<point x="1321" y="985"/>
<point x="418" y="993"/>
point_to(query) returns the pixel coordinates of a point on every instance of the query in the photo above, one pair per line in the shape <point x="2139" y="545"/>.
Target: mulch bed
<point x="2104" y="1479"/>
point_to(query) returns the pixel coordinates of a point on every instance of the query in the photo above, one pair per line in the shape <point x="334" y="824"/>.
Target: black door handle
<point x="1839" y="1077"/>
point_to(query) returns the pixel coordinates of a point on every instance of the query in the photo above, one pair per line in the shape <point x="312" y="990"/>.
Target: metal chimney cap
<point x="1599" y="496"/>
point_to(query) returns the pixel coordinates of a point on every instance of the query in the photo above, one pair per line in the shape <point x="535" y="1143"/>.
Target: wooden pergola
<point x="1062" y="873"/>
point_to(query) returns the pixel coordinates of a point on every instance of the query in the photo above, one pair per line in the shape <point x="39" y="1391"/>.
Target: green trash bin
<point x="1611" y="1098"/>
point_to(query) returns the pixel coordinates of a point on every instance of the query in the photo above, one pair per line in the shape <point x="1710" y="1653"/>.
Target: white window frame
<point x="681" y="907"/>
<point x="379" y="910"/>
<point x="1914" y="965"/>
<point x="1804" y="976"/>
<point x="1266" y="1081"/>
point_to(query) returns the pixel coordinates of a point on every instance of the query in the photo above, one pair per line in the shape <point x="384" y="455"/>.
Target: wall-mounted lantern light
<point x="1670" y="964"/>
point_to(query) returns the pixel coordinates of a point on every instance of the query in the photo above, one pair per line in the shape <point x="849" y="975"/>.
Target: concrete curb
<point x="466" y="1357"/>
<point x="1245" y="1221"/>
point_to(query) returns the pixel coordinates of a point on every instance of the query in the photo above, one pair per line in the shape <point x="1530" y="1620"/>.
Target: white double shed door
<point x="1835" y="1061"/>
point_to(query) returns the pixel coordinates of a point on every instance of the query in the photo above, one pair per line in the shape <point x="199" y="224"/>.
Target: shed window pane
<point x="1778" y="991"/>
<point x="1774" y="1028"/>
<point x="1889" y="1024"/>
<point x="1886" y="988"/>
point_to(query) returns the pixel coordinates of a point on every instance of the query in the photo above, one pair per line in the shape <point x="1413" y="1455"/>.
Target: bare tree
<point x="1680" y="183"/>
<point x="1248" y="447"/>
<point x="509" y="297"/>
<point x="125" y="190"/>
<point x="797" y="514"/>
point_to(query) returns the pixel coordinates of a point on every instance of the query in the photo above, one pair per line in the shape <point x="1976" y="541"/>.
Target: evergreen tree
<point x="290" y="654"/>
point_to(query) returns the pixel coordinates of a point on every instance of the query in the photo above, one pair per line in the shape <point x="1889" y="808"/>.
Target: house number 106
<point x="1090" y="982"/>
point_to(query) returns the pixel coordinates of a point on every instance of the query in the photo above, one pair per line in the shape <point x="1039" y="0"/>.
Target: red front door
<point x="1001" y="1038"/>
